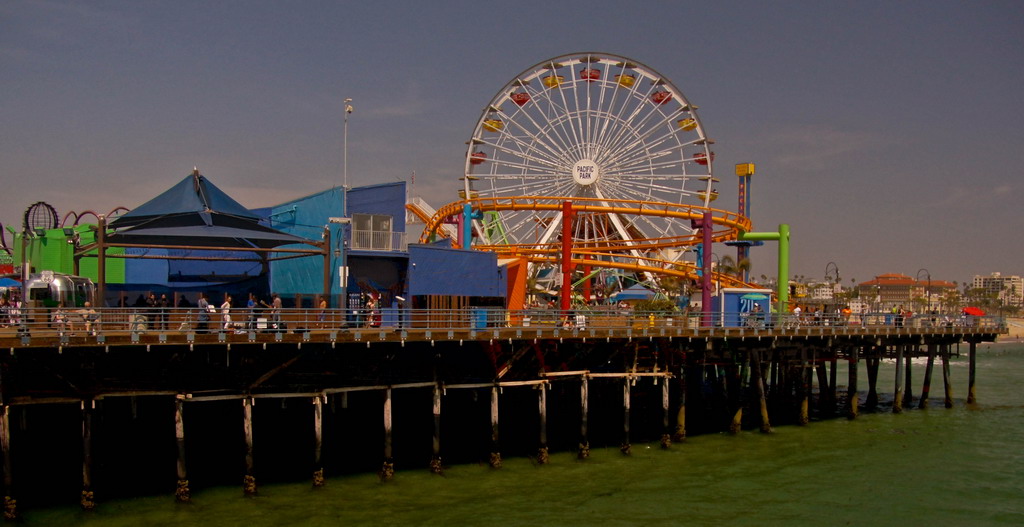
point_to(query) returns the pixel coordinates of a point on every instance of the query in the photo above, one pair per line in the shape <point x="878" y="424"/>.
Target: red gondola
<point x="520" y="98"/>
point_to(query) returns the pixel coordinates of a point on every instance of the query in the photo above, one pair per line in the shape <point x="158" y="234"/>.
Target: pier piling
<point x="542" y="410"/>
<point x="947" y="383"/>
<point x="897" y="398"/>
<point x="88" y="499"/>
<point x="626" y="448"/>
<point x="495" y="460"/>
<point x="972" y="355"/>
<point x="387" y="470"/>
<point x="852" y="398"/>
<point x="249" y="481"/>
<point x="584" y="448"/>
<point x="435" y="459"/>
<point x="926" y="388"/>
<point x="318" y="467"/>
<point x="183" y="494"/>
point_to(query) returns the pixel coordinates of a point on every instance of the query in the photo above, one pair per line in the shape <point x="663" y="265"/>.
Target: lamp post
<point x="928" y="287"/>
<point x="832" y="276"/>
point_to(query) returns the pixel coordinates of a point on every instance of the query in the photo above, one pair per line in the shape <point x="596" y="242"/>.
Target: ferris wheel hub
<point x="586" y="172"/>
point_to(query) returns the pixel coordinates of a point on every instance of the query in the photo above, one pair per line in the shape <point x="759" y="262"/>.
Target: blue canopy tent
<point x="195" y="215"/>
<point x="634" y="292"/>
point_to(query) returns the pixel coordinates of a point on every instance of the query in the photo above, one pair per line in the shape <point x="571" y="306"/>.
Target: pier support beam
<point x="908" y="397"/>
<point x="387" y="470"/>
<point x="626" y="447"/>
<point x="584" y="448"/>
<point x="897" y="397"/>
<point x="833" y="385"/>
<point x="318" y="428"/>
<point x="88" y="499"/>
<point x="757" y="373"/>
<point x="947" y="383"/>
<point x="666" y="435"/>
<point x="183" y="494"/>
<point x="495" y="447"/>
<point x="435" y="458"/>
<point x="680" y="431"/>
<point x="872" y="363"/>
<point x="10" y="504"/>
<point x="732" y="382"/>
<point x="852" y="397"/>
<point x="542" y="410"/>
<point x="926" y="388"/>
<point x="972" y="358"/>
<point x="249" y="481"/>
<point x="805" y="389"/>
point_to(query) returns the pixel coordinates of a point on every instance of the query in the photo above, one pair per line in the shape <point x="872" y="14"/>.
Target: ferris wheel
<point x="588" y="127"/>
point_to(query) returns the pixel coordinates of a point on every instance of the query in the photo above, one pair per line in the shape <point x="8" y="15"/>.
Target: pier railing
<point x="70" y="324"/>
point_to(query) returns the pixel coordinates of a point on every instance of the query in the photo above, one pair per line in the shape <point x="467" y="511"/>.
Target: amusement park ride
<point x="596" y="163"/>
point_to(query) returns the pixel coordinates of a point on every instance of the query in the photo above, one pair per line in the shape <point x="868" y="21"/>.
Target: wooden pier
<point x="172" y="406"/>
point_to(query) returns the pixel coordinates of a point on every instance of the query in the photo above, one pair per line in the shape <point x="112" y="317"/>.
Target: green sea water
<point x="938" y="466"/>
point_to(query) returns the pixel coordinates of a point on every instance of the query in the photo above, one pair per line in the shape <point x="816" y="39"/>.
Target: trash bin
<point x="479" y="318"/>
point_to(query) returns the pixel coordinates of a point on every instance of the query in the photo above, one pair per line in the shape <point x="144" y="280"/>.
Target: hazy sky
<point x="887" y="134"/>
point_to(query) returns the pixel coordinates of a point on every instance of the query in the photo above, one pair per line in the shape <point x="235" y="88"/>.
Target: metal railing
<point x="42" y="322"/>
<point x="378" y="240"/>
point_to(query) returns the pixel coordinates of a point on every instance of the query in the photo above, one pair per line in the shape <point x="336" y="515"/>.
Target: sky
<point x="888" y="135"/>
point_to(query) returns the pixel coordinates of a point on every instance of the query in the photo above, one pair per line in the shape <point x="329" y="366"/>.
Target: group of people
<point x="207" y="311"/>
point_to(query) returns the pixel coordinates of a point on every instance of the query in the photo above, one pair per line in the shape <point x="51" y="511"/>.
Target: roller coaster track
<point x="606" y="254"/>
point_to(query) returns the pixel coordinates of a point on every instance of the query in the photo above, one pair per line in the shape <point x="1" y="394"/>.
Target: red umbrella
<point x="974" y="311"/>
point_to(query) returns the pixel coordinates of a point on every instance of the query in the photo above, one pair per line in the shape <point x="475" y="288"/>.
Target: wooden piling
<point x="584" y="447"/>
<point x="88" y="499"/>
<point x="972" y="358"/>
<point x="495" y="448"/>
<point x="833" y="385"/>
<point x="947" y="383"/>
<point x="387" y="470"/>
<point x="10" y="504"/>
<point x="626" y="448"/>
<point x="318" y="421"/>
<point x="824" y="390"/>
<point x="908" y="386"/>
<point x="805" y="389"/>
<point x="927" y="386"/>
<point x="897" y="398"/>
<point x="734" y="392"/>
<point x="435" y="458"/>
<point x="871" y="363"/>
<point x="680" y="431"/>
<point x="756" y="373"/>
<point x="666" y="436"/>
<point x="852" y="398"/>
<point x="183" y="494"/>
<point x="542" y="410"/>
<point x="249" y="481"/>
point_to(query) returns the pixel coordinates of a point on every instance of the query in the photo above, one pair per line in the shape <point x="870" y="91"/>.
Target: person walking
<point x="225" y="311"/>
<point x="203" y="320"/>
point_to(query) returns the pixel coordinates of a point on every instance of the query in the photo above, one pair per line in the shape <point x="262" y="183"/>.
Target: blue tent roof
<point x="634" y="292"/>
<point x="193" y="213"/>
<point x="193" y="201"/>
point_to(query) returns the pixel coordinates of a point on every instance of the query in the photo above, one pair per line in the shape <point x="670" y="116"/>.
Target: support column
<point x="87" y="500"/>
<point x="495" y="449"/>
<point x="542" y="410"/>
<point x="584" y="448"/>
<point x="972" y="357"/>
<point x="805" y="389"/>
<point x="908" y="397"/>
<point x="755" y="370"/>
<point x="318" y="428"/>
<point x="566" y="292"/>
<point x="680" y="432"/>
<point x="183" y="494"/>
<point x="897" y="398"/>
<point x="872" y="363"/>
<point x="626" y="448"/>
<point x="249" y="481"/>
<point x="946" y="381"/>
<point x="734" y="399"/>
<point x="852" y="398"/>
<point x="435" y="459"/>
<point x="387" y="470"/>
<point x="833" y="385"/>
<point x="926" y="388"/>
<point x="666" y="436"/>
<point x="824" y="390"/>
<point x="10" y="504"/>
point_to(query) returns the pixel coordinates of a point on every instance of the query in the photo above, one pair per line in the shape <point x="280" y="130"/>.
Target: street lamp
<point x="928" y="288"/>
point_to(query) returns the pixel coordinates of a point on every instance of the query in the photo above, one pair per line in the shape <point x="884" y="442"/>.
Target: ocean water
<point x="937" y="466"/>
